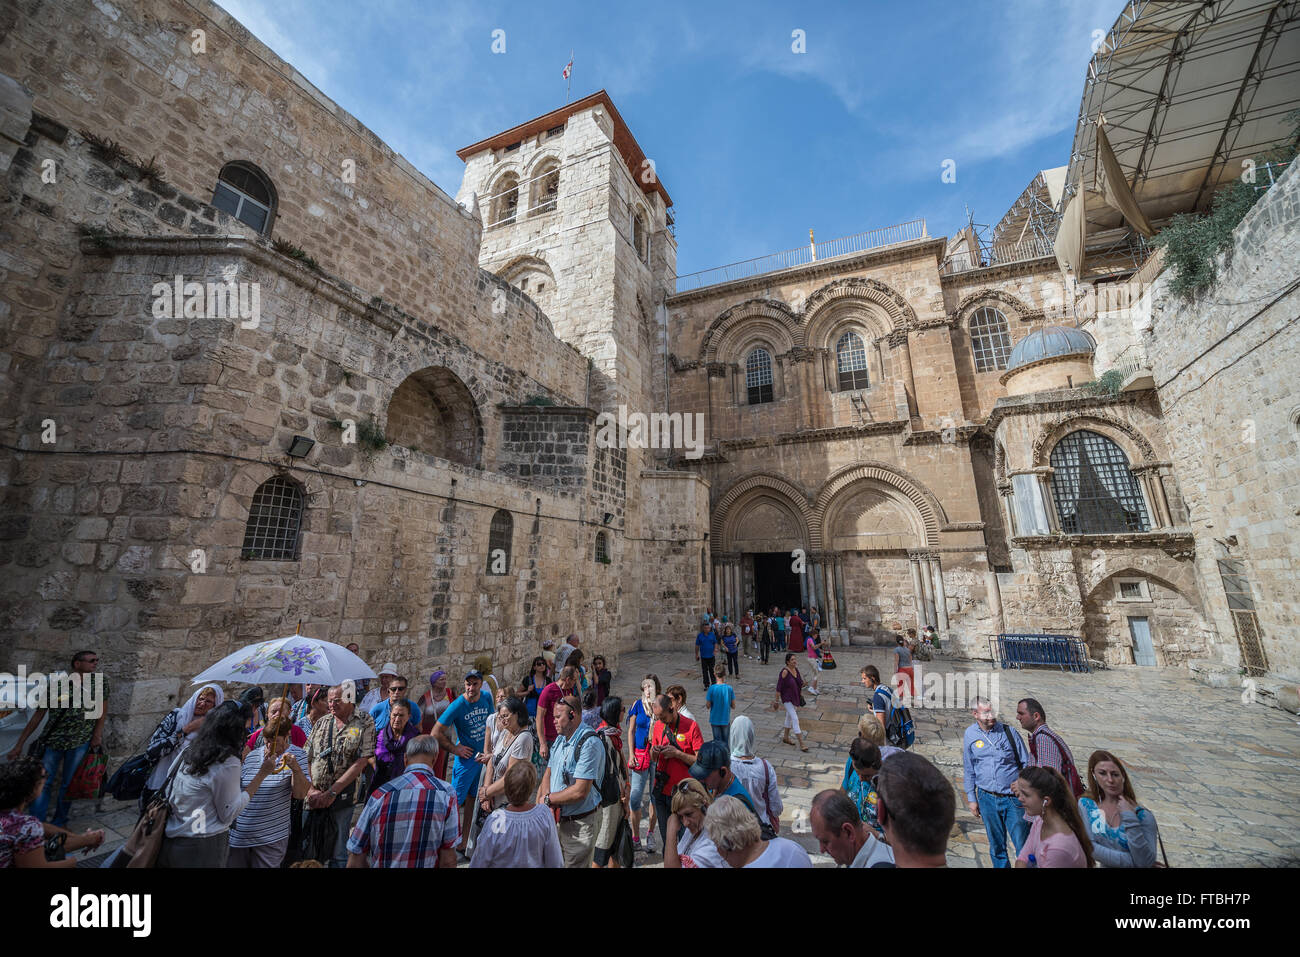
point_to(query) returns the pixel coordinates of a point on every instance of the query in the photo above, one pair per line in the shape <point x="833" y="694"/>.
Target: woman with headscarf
<point x="755" y="773"/>
<point x="173" y="735"/>
<point x="432" y="704"/>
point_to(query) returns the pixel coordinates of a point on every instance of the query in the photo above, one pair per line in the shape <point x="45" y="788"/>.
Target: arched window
<point x="989" y="339"/>
<point x="1094" y="491"/>
<point x="505" y="201"/>
<point x="502" y="530"/>
<point x="546" y="188"/>
<point x="639" y="236"/>
<point x="851" y="361"/>
<point x="274" y="521"/>
<point x="602" y="548"/>
<point x="246" y="193"/>
<point x="758" y="376"/>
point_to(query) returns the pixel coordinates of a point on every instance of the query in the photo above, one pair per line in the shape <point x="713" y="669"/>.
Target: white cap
<point x="389" y="669"/>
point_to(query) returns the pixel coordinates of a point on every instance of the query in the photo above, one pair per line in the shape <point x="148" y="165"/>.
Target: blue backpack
<point x="900" y="729"/>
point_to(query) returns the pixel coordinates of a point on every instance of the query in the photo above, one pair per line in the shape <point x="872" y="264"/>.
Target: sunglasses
<point x="398" y="688"/>
<point x="683" y="785"/>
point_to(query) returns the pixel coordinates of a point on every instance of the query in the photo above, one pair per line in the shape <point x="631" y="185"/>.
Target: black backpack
<point x="611" y="791"/>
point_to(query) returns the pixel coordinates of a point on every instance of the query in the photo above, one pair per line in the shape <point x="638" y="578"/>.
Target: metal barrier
<point x="1066" y="652"/>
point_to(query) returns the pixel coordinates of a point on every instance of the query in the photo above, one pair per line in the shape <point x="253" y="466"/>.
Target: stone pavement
<point x="1221" y="776"/>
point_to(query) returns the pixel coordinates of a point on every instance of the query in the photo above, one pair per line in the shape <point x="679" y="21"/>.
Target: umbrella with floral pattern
<point x="296" y="659"/>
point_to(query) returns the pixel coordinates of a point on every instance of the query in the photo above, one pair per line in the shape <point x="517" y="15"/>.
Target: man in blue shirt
<point x="992" y="755"/>
<point x="396" y="692"/>
<point x="571" y="782"/>
<point x="712" y="768"/>
<point x="469" y="713"/>
<point x="705" y="644"/>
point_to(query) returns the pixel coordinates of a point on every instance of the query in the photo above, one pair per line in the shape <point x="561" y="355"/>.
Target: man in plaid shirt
<point x="411" y="821"/>
<point x="1049" y="750"/>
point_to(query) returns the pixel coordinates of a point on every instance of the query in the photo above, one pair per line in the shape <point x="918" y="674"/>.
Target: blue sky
<point x="756" y="143"/>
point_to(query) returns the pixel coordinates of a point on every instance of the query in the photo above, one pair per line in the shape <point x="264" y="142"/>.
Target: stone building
<point x="259" y="374"/>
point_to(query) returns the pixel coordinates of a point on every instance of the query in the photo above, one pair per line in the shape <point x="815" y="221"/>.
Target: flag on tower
<point x="568" y="69"/>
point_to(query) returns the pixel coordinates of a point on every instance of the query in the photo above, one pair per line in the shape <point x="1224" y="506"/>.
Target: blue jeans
<point x="1002" y="816"/>
<point x="70" y="760"/>
<point x="721" y="733"/>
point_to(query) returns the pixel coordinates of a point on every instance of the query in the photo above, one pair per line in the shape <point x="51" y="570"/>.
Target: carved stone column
<point x="918" y="596"/>
<point x="940" y="596"/>
<point x="903" y="356"/>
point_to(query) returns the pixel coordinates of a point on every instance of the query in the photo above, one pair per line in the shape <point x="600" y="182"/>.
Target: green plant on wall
<point x="370" y="436"/>
<point x="1192" y="242"/>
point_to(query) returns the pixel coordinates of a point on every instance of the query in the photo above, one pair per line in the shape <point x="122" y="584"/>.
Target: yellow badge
<point x="979" y="744"/>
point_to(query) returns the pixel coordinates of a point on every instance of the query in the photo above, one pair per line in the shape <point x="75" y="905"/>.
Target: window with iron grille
<point x="274" y="521"/>
<point x="1132" y="589"/>
<point x="246" y="193"/>
<point x="1092" y="487"/>
<point x="499" y="536"/>
<point x="989" y="339"/>
<point x="758" y="376"/>
<point x="602" y="548"/>
<point x="851" y="362"/>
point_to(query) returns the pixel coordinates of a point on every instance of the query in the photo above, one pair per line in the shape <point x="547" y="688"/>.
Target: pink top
<point x="1059" y="850"/>
<point x="811" y="648"/>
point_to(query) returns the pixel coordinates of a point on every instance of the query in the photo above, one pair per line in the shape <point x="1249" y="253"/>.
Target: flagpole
<point x="568" y="80"/>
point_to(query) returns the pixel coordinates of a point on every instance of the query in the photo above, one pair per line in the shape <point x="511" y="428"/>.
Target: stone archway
<point x="434" y="412"/>
<point x="1174" y="623"/>
<point x="760" y="526"/>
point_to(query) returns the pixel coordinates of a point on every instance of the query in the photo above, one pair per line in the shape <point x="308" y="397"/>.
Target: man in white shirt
<point x="843" y="835"/>
<point x="570" y="645"/>
<point x="375" y="695"/>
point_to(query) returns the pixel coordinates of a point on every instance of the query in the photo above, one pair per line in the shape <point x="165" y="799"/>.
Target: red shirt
<point x="545" y="703"/>
<point x="687" y="737"/>
<point x="296" y="736"/>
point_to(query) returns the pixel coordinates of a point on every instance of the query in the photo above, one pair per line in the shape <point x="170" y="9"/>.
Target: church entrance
<point x="775" y="582"/>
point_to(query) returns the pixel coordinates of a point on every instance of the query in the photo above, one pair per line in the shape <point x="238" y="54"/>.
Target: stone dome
<point x="1050" y="342"/>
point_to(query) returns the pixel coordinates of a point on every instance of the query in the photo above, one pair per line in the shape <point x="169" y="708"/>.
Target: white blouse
<point x="208" y="804"/>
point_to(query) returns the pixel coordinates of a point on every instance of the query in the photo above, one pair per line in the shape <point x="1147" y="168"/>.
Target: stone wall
<point x="1225" y="364"/>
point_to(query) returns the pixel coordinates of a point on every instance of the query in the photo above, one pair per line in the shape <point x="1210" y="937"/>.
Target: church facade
<point x="262" y="376"/>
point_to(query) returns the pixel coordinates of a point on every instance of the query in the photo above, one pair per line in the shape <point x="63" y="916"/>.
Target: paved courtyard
<point x="1220" y="775"/>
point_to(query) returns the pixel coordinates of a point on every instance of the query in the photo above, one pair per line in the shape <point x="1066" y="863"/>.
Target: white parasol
<point x="295" y="659"/>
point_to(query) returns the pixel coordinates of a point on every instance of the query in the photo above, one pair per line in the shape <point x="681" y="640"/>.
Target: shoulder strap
<point x="1015" y="752"/>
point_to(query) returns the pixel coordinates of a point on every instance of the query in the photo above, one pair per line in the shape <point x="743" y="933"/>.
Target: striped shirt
<point x="266" y="818"/>
<point x="407" y="821"/>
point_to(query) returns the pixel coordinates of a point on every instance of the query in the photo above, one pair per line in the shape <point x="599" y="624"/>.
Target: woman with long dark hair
<point x="533" y="684"/>
<point x="516" y="742"/>
<point x="1058" y="837"/>
<point x="204" y="790"/>
<point x="1123" y="832"/>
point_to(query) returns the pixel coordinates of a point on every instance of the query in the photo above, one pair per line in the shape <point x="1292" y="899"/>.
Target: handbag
<point x="621" y="851"/>
<point x="127" y="782"/>
<point x="145" y="841"/>
<point x="88" y="780"/>
<point x="828" y="661"/>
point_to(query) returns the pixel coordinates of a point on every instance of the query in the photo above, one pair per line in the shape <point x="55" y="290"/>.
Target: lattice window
<point x="602" y="548"/>
<point x="1094" y="491"/>
<point x="758" y="376"/>
<point x="246" y="193"/>
<point x="851" y="362"/>
<point x="990" y="339"/>
<point x="499" y="536"/>
<point x="274" y="521"/>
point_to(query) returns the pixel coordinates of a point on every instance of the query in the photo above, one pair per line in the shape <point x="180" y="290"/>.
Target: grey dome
<point x="1048" y="343"/>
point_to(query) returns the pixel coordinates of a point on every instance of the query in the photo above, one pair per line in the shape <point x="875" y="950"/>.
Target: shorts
<point x="816" y="663"/>
<point x="464" y="778"/>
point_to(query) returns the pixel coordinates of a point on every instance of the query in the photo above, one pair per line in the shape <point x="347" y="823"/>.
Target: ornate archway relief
<point x="771" y="488"/>
<point x="775" y="311"/>
<point x="901" y="315"/>
<point x="1117" y="430"/>
<point x="869" y="514"/>
<point x="867" y="319"/>
<point x="1018" y="307"/>
<point x="927" y="506"/>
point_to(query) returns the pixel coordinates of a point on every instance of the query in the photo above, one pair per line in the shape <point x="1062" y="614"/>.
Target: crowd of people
<point x="553" y="770"/>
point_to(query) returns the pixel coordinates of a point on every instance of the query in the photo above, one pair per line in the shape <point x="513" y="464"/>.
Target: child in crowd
<point x="720" y="698"/>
